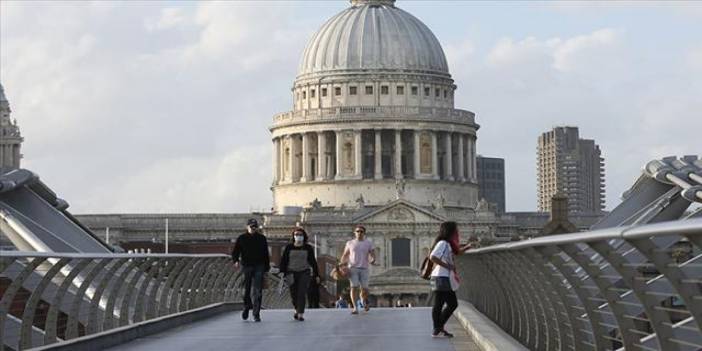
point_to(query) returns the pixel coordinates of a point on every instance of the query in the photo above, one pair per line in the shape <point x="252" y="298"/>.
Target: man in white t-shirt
<point x="359" y="254"/>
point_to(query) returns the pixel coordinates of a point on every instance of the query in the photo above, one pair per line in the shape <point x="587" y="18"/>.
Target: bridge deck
<point x="383" y="329"/>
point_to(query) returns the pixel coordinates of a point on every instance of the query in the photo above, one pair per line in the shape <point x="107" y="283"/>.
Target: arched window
<point x="401" y="252"/>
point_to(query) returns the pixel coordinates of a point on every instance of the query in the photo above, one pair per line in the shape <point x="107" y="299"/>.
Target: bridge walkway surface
<point x="385" y="329"/>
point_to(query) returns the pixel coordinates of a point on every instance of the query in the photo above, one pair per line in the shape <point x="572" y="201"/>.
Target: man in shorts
<point x="359" y="254"/>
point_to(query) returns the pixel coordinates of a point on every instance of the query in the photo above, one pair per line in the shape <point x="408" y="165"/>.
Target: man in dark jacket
<point x="251" y="253"/>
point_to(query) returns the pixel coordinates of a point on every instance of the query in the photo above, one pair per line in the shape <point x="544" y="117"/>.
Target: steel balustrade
<point x="631" y="288"/>
<point x="61" y="296"/>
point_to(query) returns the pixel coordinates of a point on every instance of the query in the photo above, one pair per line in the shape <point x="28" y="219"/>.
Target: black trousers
<point x="253" y="277"/>
<point x="439" y="314"/>
<point x="298" y="290"/>
<point x="313" y="294"/>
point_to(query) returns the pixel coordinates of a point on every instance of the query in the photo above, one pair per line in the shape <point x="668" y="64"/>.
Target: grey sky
<point x="164" y="106"/>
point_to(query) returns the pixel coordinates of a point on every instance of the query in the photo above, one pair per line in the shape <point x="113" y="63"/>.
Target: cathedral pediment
<point x="400" y="211"/>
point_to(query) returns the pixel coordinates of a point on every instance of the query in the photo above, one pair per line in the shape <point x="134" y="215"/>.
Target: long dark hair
<point x="446" y="231"/>
<point x="298" y="230"/>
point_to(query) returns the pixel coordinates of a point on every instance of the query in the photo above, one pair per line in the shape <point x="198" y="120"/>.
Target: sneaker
<point x="366" y="307"/>
<point x="354" y="311"/>
<point x="435" y="333"/>
<point x="446" y="334"/>
<point x="245" y="314"/>
<point x="300" y="318"/>
<point x="295" y="316"/>
<point x="257" y="318"/>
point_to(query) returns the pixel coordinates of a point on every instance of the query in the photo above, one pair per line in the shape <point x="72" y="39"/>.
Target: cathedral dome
<point x="373" y="35"/>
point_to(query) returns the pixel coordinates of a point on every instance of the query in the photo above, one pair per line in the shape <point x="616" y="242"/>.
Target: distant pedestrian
<point x="444" y="277"/>
<point x="251" y="253"/>
<point x="298" y="262"/>
<point x="359" y="253"/>
<point x="341" y="303"/>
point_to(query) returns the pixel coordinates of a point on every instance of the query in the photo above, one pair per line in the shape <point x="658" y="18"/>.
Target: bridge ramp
<point x="385" y="329"/>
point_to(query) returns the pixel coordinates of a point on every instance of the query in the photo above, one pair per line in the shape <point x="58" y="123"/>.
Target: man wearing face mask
<point x="299" y="265"/>
<point x="251" y="252"/>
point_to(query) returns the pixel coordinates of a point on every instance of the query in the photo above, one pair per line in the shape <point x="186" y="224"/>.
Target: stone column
<point x="447" y="158"/>
<point x="281" y="155"/>
<point x="305" y="157"/>
<point x="473" y="153"/>
<point x="294" y="150"/>
<point x="358" y="157"/>
<point x="398" y="154"/>
<point x="417" y="154"/>
<point x="339" y="145"/>
<point x="461" y="160"/>
<point x="378" y="154"/>
<point x="276" y="160"/>
<point x="291" y="159"/>
<point x="321" y="156"/>
<point x="434" y="155"/>
<point x="469" y="159"/>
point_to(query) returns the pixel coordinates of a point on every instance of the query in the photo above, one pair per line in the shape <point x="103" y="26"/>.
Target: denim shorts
<point x="359" y="277"/>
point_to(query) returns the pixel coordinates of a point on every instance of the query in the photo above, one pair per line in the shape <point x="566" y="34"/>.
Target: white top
<point x="443" y="251"/>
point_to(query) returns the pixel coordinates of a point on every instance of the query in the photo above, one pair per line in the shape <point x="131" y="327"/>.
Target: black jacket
<point x="285" y="259"/>
<point x="252" y="250"/>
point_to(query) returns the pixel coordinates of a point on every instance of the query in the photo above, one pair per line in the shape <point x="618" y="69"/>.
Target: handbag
<point x="426" y="269"/>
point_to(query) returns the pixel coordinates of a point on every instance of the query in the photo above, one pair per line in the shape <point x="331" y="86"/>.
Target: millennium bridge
<point x="633" y="282"/>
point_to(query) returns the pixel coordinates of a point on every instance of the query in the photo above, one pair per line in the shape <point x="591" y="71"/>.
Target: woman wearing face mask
<point x="298" y="262"/>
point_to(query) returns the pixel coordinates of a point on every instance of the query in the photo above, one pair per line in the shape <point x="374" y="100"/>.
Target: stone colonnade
<point x="374" y="154"/>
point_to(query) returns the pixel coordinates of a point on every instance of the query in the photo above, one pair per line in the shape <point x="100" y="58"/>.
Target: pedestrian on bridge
<point x="444" y="277"/>
<point x="251" y="253"/>
<point x="359" y="253"/>
<point x="299" y="264"/>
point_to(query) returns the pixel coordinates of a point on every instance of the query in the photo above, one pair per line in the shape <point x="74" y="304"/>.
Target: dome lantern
<point x="372" y="2"/>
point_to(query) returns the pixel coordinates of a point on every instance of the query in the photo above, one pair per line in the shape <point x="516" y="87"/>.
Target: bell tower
<point x="10" y="137"/>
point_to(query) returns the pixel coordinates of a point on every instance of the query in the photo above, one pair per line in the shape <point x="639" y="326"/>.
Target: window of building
<point x="369" y="90"/>
<point x="401" y="252"/>
<point x="445" y="94"/>
<point x="324" y="92"/>
<point x="384" y="90"/>
<point x="304" y="95"/>
<point x="337" y="91"/>
<point x="437" y="92"/>
<point x="353" y="90"/>
<point x="415" y="91"/>
<point x="312" y="93"/>
<point x="427" y="91"/>
<point x="400" y="90"/>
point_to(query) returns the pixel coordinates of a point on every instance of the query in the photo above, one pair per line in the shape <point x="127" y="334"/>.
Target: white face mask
<point x="299" y="239"/>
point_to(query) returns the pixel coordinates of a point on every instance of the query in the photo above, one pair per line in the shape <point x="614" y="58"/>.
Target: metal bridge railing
<point x="633" y="288"/>
<point x="49" y="297"/>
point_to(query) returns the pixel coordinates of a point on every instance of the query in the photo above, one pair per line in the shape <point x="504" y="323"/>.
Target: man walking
<point x="359" y="253"/>
<point x="251" y="253"/>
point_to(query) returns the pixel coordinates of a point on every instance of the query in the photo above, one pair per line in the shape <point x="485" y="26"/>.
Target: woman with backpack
<point x="444" y="277"/>
<point x="299" y="266"/>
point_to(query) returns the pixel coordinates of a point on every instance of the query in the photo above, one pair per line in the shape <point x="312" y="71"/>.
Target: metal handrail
<point x="632" y="287"/>
<point x="68" y="295"/>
